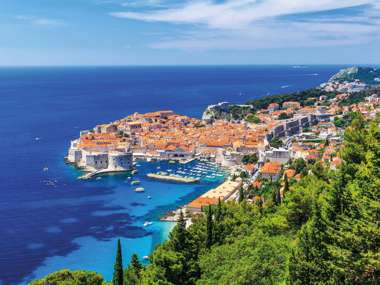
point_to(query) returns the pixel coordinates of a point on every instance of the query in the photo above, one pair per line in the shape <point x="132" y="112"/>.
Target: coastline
<point x="79" y="200"/>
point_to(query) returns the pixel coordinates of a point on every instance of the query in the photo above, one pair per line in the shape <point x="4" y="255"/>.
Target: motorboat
<point x="135" y="182"/>
<point x="139" y="189"/>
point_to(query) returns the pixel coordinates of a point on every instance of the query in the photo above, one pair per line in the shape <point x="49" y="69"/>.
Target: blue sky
<point x="155" y="32"/>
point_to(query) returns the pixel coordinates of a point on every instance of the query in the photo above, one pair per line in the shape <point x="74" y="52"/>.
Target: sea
<point x="51" y="220"/>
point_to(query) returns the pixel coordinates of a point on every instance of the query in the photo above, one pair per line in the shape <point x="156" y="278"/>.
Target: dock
<point x="172" y="178"/>
<point x="187" y="161"/>
<point x="90" y="175"/>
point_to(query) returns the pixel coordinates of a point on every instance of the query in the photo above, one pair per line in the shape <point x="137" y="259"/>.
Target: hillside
<point x="367" y="75"/>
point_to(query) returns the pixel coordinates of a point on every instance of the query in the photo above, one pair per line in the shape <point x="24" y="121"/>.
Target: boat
<point x="146" y="257"/>
<point x="98" y="178"/>
<point x="149" y="197"/>
<point x="139" y="189"/>
<point x="135" y="182"/>
<point x="172" y="161"/>
<point x="134" y="171"/>
<point x="45" y="169"/>
<point x="147" y="223"/>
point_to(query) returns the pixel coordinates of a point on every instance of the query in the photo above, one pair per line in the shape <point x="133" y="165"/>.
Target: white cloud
<point x="46" y="22"/>
<point x="250" y="24"/>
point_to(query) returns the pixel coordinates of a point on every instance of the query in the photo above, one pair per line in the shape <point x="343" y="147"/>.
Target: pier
<point x="90" y="175"/>
<point x="172" y="178"/>
<point x="187" y="161"/>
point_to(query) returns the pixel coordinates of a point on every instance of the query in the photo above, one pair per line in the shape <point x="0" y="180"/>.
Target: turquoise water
<point x="121" y="200"/>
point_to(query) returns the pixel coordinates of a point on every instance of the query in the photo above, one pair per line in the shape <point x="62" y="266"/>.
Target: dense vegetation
<point x="325" y="230"/>
<point x="67" y="277"/>
<point x="305" y="98"/>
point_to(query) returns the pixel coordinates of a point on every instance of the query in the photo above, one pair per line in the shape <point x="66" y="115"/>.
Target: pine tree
<point x="218" y="224"/>
<point x="309" y="263"/>
<point x="219" y="212"/>
<point x="179" y="235"/>
<point x="241" y="194"/>
<point x="286" y="184"/>
<point x="210" y="228"/>
<point x="133" y="272"/>
<point x="135" y="263"/>
<point x="276" y="196"/>
<point x="118" y="267"/>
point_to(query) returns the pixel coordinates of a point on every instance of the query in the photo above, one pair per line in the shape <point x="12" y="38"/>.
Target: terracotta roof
<point x="271" y="168"/>
<point x="203" y="201"/>
<point x="289" y="173"/>
<point x="249" y="167"/>
<point x="257" y="184"/>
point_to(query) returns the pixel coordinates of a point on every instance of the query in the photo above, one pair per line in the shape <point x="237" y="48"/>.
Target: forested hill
<point x="229" y="111"/>
<point x="326" y="230"/>
<point x="367" y="75"/>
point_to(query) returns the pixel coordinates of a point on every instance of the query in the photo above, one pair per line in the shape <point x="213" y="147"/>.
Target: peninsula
<point x="258" y="138"/>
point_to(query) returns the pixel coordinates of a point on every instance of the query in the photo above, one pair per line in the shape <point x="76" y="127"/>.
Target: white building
<point x="280" y="155"/>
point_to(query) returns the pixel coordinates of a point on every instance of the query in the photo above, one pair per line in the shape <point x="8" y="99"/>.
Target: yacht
<point x="139" y="189"/>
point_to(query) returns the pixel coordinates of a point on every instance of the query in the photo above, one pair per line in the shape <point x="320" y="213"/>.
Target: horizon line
<point x="184" y="65"/>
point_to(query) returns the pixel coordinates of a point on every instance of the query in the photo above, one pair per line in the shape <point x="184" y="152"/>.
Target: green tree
<point x="300" y="166"/>
<point x="250" y="158"/>
<point x="67" y="277"/>
<point x="276" y="143"/>
<point x="253" y="259"/>
<point x="118" y="266"/>
<point x="133" y="272"/>
<point x="309" y="263"/>
<point x="286" y="184"/>
<point x="241" y="195"/>
<point x="179" y="235"/>
<point x="276" y="196"/>
<point x="252" y="118"/>
<point x="284" y="116"/>
<point x="210" y="227"/>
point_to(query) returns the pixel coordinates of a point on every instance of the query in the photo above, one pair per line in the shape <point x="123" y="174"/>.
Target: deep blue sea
<point x="49" y="219"/>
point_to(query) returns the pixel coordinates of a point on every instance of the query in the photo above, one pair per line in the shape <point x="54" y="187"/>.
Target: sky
<point x="193" y="32"/>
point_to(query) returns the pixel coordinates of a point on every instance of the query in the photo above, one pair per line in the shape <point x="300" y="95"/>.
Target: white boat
<point x="147" y="223"/>
<point x="45" y="169"/>
<point x="134" y="171"/>
<point x="98" y="178"/>
<point x="139" y="189"/>
<point x="146" y="257"/>
<point x="149" y="197"/>
<point x="135" y="182"/>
